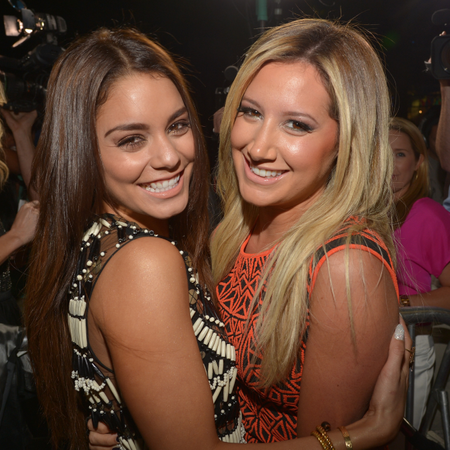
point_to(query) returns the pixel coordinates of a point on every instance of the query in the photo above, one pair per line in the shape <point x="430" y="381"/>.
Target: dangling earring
<point x="416" y="175"/>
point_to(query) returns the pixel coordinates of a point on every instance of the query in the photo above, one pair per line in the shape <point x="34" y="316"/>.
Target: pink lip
<point x="256" y="178"/>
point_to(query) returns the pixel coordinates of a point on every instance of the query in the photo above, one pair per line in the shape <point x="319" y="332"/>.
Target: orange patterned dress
<point x="270" y="415"/>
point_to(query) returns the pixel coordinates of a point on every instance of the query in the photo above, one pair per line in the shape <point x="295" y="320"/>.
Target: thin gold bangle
<point x="347" y="440"/>
<point x="324" y="434"/>
<point x="321" y="440"/>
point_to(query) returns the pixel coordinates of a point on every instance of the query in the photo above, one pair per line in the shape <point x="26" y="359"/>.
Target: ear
<point x="419" y="162"/>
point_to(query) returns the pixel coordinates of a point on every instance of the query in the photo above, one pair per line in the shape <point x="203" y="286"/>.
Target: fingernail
<point x="399" y="332"/>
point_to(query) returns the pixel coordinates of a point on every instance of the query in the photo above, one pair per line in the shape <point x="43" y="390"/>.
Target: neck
<point x="159" y="226"/>
<point x="272" y="224"/>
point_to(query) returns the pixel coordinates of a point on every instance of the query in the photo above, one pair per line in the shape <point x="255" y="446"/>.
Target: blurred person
<point x="111" y="171"/>
<point x="422" y="235"/>
<point x="21" y="233"/>
<point x="436" y="174"/>
<point x="20" y="145"/>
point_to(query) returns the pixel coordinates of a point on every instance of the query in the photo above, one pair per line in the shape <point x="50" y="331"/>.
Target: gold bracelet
<point x="404" y="301"/>
<point x="322" y="441"/>
<point x="324" y="434"/>
<point x="347" y="440"/>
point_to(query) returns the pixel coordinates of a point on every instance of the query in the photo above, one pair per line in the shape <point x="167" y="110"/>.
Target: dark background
<point x="213" y="34"/>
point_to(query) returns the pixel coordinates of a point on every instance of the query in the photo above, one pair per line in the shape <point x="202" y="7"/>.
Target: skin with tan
<point x="157" y="363"/>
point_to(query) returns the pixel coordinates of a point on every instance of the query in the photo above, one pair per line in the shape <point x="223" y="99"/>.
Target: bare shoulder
<point x="354" y="285"/>
<point x="146" y="259"/>
<point x="148" y="273"/>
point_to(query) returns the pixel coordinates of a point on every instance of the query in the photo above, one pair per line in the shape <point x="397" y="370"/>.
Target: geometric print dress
<point x="270" y="414"/>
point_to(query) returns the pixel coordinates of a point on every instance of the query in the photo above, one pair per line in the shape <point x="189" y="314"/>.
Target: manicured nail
<point x="399" y="332"/>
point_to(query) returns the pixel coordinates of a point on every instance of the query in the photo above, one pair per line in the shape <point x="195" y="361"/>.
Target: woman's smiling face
<point x="146" y="147"/>
<point x="284" y="141"/>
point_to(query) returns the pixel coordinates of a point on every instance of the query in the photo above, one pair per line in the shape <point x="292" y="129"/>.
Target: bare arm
<point x="340" y="372"/>
<point x="21" y="126"/>
<point x="443" y="130"/>
<point x="142" y="310"/>
<point x="438" y="297"/>
<point x="22" y="230"/>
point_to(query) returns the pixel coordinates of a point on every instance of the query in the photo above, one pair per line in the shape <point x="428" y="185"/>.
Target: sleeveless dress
<point x="270" y="415"/>
<point x="100" y="243"/>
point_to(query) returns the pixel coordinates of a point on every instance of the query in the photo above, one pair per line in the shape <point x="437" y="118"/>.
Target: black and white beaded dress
<point x="101" y="241"/>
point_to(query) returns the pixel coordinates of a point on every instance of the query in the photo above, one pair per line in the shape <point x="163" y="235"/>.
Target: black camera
<point x="25" y="79"/>
<point x="440" y="47"/>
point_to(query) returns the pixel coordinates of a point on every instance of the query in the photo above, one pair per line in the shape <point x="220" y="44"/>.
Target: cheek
<point x="239" y="134"/>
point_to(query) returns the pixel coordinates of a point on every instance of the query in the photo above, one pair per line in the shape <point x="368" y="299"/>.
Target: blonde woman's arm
<point x="342" y="366"/>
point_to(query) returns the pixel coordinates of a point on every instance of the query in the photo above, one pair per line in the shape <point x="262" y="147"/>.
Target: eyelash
<point x="180" y="127"/>
<point x="131" y="142"/>
<point x="251" y="112"/>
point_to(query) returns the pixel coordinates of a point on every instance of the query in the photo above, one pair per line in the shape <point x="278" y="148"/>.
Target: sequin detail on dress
<point x="101" y="241"/>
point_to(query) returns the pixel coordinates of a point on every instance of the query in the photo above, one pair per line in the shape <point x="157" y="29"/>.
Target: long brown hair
<point x="420" y="186"/>
<point x="69" y="178"/>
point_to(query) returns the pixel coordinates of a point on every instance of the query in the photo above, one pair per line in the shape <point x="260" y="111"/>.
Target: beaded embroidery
<point x="103" y="398"/>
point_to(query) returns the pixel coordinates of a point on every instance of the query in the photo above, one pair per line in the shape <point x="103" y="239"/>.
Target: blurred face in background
<point x="405" y="162"/>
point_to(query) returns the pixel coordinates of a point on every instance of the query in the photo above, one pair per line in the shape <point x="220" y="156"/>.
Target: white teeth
<point x="265" y="173"/>
<point x="162" y="186"/>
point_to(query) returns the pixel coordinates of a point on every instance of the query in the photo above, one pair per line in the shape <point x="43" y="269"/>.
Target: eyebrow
<point x="127" y="127"/>
<point x="143" y="126"/>
<point x="286" y="113"/>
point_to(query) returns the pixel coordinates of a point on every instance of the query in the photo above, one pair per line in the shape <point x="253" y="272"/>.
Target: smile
<point x="162" y="186"/>
<point x="265" y="173"/>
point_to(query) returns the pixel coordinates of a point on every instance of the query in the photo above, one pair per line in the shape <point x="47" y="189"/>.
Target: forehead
<point x="290" y="83"/>
<point x="145" y="95"/>
<point x="399" y="140"/>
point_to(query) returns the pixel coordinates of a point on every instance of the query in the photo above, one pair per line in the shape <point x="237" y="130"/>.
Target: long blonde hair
<point x="4" y="171"/>
<point x="359" y="183"/>
<point x="420" y="185"/>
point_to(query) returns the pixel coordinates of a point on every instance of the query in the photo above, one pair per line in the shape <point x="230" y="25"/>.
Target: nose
<point x="263" y="146"/>
<point x="163" y="153"/>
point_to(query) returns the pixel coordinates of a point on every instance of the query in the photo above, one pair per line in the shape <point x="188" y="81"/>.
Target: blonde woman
<point x="302" y="260"/>
<point x="422" y="234"/>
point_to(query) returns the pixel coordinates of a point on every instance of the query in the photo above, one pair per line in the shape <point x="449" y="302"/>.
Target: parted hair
<point x="69" y="178"/>
<point x="420" y="186"/>
<point x="4" y="171"/>
<point x="359" y="183"/>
